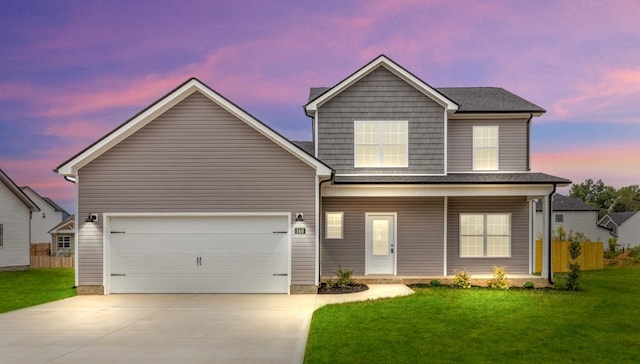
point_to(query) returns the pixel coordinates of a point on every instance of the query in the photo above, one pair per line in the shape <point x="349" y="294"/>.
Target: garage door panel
<point x="202" y="254"/>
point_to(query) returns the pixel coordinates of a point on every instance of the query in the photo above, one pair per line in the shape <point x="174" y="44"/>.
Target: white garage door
<point x="236" y="254"/>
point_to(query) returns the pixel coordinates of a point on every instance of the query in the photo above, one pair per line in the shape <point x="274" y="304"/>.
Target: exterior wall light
<point x="92" y="217"/>
<point x="299" y="217"/>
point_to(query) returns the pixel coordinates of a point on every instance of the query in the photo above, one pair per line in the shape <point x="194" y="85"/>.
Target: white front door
<point x="380" y="244"/>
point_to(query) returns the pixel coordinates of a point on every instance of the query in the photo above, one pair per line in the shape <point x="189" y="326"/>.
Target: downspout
<point x="550" y="237"/>
<point x="320" y="230"/>
<point x="529" y="142"/>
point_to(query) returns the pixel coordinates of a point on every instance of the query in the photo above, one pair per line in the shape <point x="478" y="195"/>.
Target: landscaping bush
<point x="462" y="279"/>
<point x="529" y="285"/>
<point x="499" y="280"/>
<point x="345" y="278"/>
<point x="573" y="278"/>
<point x="434" y="283"/>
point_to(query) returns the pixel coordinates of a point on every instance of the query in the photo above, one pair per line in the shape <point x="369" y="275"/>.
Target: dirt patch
<point x="631" y="257"/>
<point x="354" y="288"/>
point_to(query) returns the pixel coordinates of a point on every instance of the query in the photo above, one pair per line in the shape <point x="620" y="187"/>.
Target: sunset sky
<point x="71" y="71"/>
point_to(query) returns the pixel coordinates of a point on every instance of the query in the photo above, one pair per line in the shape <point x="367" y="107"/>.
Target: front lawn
<point x="448" y="325"/>
<point x="32" y="287"/>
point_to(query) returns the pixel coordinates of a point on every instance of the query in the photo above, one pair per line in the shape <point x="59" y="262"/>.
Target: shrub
<point x="345" y="278"/>
<point x="573" y="279"/>
<point x="329" y="283"/>
<point x="462" y="279"/>
<point x="499" y="280"/>
<point x="529" y="285"/>
<point x="434" y="283"/>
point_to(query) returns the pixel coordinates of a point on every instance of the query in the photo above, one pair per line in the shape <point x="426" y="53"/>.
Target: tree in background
<point x="594" y="193"/>
<point x="627" y="199"/>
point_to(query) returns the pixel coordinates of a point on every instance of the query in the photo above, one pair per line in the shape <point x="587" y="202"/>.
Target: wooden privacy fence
<point x="45" y="261"/>
<point x="590" y="259"/>
<point x="40" y="249"/>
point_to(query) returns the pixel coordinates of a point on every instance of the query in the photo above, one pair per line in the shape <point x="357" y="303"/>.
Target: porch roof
<point x="523" y="178"/>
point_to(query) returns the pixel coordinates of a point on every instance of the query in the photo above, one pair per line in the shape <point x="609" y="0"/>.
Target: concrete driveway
<point x="178" y="328"/>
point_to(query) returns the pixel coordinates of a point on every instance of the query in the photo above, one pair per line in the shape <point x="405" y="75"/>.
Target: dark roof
<point x="473" y="99"/>
<point x="488" y="99"/>
<point x="308" y="147"/>
<point x="49" y="201"/>
<point x="457" y="178"/>
<point x="620" y="217"/>
<point x="565" y="203"/>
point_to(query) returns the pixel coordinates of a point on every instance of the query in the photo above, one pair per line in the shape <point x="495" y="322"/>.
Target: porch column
<point x="546" y="228"/>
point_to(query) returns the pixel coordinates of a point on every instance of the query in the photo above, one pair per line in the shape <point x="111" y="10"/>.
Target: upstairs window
<point x="381" y="144"/>
<point x="485" y="148"/>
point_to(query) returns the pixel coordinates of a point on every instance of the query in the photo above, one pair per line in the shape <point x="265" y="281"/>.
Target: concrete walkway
<point x="180" y="328"/>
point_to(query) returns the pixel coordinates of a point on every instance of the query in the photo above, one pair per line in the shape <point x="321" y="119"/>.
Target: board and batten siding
<point x="518" y="207"/>
<point x="420" y="235"/>
<point x="381" y="95"/>
<point x="14" y="217"/>
<point x="195" y="157"/>
<point x="512" y="144"/>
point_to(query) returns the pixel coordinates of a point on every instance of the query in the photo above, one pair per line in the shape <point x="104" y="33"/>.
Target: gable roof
<point x="565" y="203"/>
<point x="144" y="117"/>
<point x="66" y="225"/>
<point x="17" y="191"/>
<point x="47" y="200"/>
<point x="380" y="61"/>
<point x="619" y="218"/>
<point x="475" y="100"/>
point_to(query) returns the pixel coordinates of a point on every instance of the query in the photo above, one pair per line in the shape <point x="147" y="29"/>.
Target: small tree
<point x="573" y="279"/>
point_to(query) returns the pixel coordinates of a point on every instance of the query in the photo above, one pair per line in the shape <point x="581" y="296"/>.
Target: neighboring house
<point x="573" y="215"/>
<point x="193" y="194"/>
<point x="63" y="237"/>
<point x="15" y="217"/>
<point x="623" y="225"/>
<point x="49" y="215"/>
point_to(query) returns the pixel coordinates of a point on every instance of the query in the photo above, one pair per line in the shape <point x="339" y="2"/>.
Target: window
<point x="485" y="235"/>
<point x="1" y="235"/>
<point x="485" y="148"/>
<point x="64" y="242"/>
<point x="559" y="218"/>
<point x="334" y="225"/>
<point x="381" y="144"/>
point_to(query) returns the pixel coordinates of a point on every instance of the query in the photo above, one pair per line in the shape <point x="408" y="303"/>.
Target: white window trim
<point x="484" y="240"/>
<point x="355" y="144"/>
<point x="326" y="225"/>
<point x="473" y="146"/>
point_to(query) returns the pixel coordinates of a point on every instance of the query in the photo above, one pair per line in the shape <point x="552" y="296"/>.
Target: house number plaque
<point x="300" y="231"/>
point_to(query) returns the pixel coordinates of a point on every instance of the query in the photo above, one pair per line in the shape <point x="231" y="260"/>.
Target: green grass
<point x="447" y="325"/>
<point x="19" y="289"/>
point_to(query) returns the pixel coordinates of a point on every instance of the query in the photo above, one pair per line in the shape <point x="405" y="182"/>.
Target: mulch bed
<point x="339" y="290"/>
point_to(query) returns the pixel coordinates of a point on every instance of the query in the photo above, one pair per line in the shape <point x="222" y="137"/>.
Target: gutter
<point x="551" y="234"/>
<point x="320" y="221"/>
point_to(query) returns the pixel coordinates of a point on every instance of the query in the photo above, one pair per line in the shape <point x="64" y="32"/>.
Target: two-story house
<point x="193" y="194"/>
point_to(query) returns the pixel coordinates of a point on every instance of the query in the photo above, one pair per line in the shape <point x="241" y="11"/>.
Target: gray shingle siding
<point x="512" y="144"/>
<point x="196" y="157"/>
<point x="382" y="96"/>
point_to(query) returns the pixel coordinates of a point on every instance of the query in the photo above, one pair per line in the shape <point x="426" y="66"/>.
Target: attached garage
<point x="198" y="254"/>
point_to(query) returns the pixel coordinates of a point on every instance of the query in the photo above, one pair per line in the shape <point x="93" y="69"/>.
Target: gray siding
<point x="14" y="216"/>
<point x="512" y="144"/>
<point x="382" y="96"/>
<point x="518" y="207"/>
<point x="420" y="234"/>
<point x="196" y="157"/>
<point x="582" y="221"/>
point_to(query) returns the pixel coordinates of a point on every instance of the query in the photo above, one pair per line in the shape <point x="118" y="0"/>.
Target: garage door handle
<point x="280" y="274"/>
<point x="117" y="232"/>
<point x="118" y="275"/>
<point x="280" y="232"/>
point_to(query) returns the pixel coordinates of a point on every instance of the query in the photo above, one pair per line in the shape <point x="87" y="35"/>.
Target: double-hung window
<point x="381" y="143"/>
<point x="64" y="241"/>
<point x="485" y="148"/>
<point x="334" y="223"/>
<point x="485" y="235"/>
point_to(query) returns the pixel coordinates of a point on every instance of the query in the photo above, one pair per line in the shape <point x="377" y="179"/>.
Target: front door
<point x="380" y="244"/>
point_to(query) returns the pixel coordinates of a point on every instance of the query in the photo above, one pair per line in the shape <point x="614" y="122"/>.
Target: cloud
<point x="614" y="163"/>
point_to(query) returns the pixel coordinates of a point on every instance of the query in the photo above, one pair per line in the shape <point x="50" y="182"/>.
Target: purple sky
<point x="70" y="71"/>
